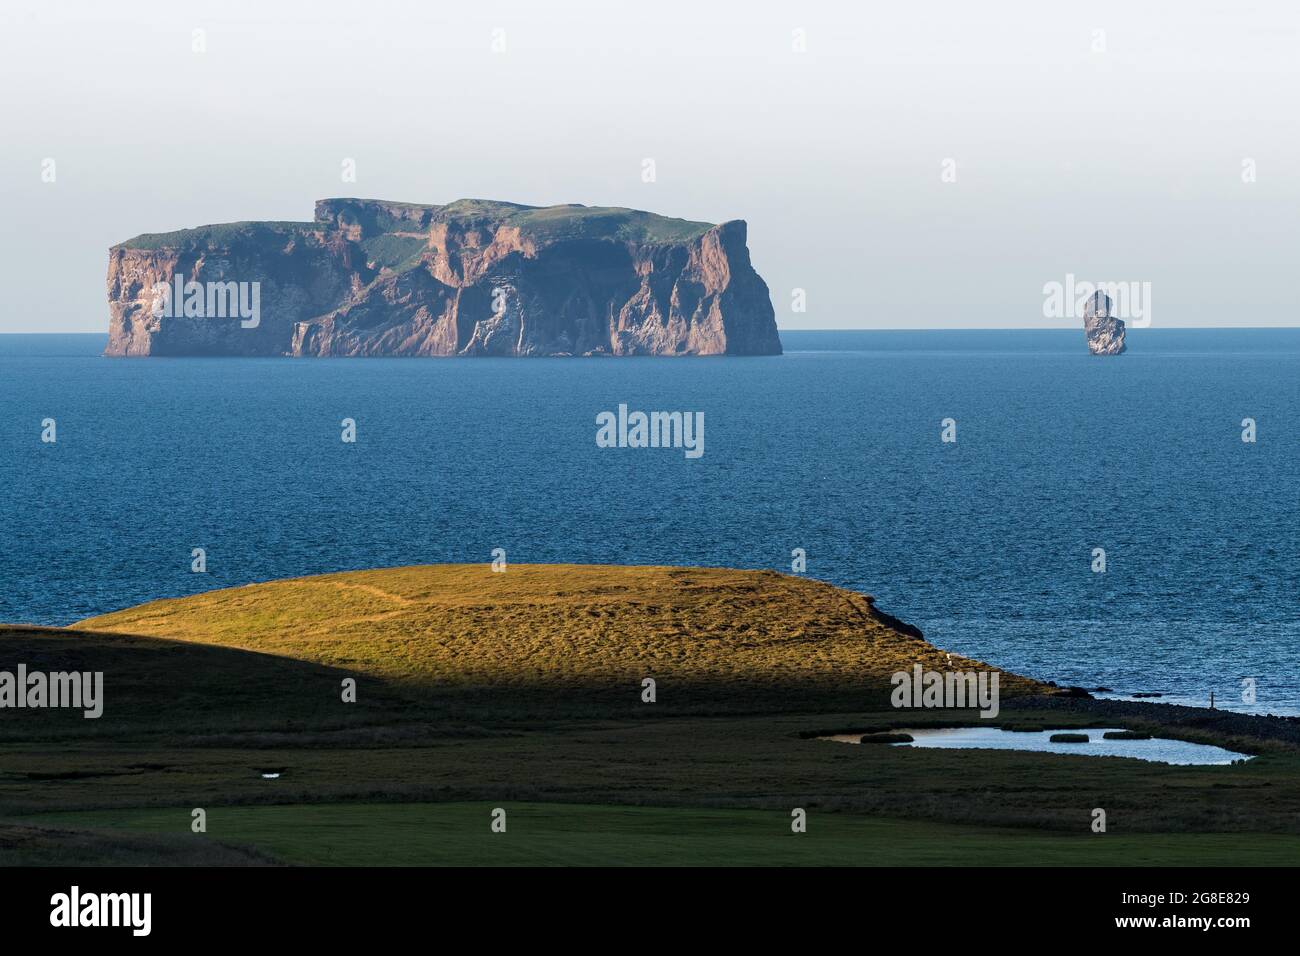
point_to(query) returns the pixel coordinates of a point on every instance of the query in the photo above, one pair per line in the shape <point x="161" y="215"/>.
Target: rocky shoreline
<point x="1190" y="721"/>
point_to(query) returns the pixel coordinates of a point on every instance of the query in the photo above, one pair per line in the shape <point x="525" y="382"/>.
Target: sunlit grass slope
<point x="724" y="632"/>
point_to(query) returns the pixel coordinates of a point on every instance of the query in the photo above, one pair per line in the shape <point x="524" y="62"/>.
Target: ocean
<point x="986" y="543"/>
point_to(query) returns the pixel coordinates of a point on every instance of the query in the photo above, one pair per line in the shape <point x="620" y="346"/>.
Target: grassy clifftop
<point x="560" y="625"/>
<point x="571" y="220"/>
<point x="221" y="235"/>
<point x="549" y="223"/>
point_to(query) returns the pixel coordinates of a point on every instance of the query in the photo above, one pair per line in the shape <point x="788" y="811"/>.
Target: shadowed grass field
<point x="154" y="686"/>
<point x="458" y="834"/>
<point x="55" y="845"/>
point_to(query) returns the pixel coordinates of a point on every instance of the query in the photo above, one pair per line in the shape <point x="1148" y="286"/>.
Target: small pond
<point x="1157" y="749"/>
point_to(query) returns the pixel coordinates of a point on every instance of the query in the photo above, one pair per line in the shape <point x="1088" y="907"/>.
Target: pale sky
<point x="1108" y="140"/>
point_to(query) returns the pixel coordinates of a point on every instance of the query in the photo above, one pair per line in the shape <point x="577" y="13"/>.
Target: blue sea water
<point x="986" y="544"/>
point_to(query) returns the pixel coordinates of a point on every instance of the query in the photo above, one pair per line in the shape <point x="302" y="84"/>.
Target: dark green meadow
<point x="562" y="834"/>
<point x="637" y="791"/>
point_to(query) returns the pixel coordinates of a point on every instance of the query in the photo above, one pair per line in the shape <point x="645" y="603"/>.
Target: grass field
<point x="458" y="834"/>
<point x="524" y="690"/>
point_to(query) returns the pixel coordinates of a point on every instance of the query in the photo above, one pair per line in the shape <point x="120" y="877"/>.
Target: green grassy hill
<point x="712" y="639"/>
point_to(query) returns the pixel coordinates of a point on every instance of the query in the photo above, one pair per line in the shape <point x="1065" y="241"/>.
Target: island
<point x="470" y="278"/>
<point x="1103" y="330"/>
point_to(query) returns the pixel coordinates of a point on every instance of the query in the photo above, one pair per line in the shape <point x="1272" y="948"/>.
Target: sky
<point x="918" y="165"/>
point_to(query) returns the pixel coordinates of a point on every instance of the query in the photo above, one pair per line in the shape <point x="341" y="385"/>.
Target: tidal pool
<point x="1157" y="749"/>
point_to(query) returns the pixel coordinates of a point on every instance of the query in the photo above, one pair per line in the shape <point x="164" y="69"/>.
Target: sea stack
<point x="473" y="277"/>
<point x="1104" y="332"/>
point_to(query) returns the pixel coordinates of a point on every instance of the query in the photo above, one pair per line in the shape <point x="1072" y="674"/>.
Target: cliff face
<point x="470" y="278"/>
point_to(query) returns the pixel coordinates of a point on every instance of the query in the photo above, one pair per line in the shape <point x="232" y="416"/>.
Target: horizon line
<point x="915" y="328"/>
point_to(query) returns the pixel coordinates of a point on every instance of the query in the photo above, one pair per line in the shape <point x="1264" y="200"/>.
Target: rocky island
<point x="473" y="278"/>
<point x="1105" y="332"/>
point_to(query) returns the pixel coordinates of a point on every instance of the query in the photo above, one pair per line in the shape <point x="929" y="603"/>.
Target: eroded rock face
<point x="1104" y="332"/>
<point x="470" y="278"/>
